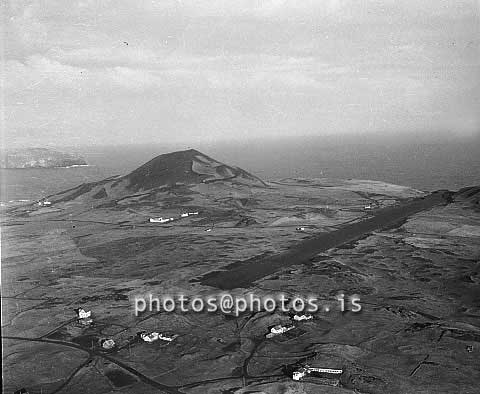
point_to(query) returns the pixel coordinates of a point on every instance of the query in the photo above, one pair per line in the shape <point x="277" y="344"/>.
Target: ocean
<point x="422" y="163"/>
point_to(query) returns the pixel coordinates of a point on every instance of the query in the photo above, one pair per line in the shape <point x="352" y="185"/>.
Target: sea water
<point x="428" y="164"/>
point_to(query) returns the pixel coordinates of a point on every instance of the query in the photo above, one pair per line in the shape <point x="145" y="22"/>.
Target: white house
<point x="300" y="373"/>
<point x="166" y="337"/>
<point x="107" y="343"/>
<point x="160" y="220"/>
<point x="279" y="329"/>
<point x="302" y="317"/>
<point x="187" y="214"/>
<point x="149" y="338"/>
<point x="82" y="314"/>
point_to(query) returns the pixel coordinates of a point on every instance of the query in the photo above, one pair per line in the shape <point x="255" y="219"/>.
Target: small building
<point x="44" y="203"/>
<point x="149" y="338"/>
<point x="167" y="337"/>
<point x="187" y="214"/>
<point x="279" y="329"/>
<point x="160" y="220"/>
<point x="326" y="376"/>
<point x="300" y="373"/>
<point x="155" y="336"/>
<point x="330" y="376"/>
<point x="302" y="317"/>
<point x="107" y="344"/>
<point x="324" y="372"/>
<point x="82" y="314"/>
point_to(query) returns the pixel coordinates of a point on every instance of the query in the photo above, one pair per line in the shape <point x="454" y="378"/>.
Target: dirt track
<point x="243" y="273"/>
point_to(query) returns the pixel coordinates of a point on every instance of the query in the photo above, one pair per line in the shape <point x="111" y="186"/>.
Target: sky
<point x="84" y="72"/>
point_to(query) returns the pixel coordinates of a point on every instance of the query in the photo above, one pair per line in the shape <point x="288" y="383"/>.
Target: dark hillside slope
<point x="470" y="195"/>
<point x="172" y="170"/>
<point x="184" y="167"/>
<point x="166" y="169"/>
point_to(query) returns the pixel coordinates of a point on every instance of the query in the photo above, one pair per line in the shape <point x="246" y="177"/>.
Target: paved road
<point x="244" y="273"/>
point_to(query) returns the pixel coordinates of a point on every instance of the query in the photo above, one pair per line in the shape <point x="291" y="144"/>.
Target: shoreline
<point x="47" y="168"/>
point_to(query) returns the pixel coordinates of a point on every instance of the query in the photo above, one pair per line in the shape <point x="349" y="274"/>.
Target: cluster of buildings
<point x="84" y="318"/>
<point x="44" y="203"/>
<point x="326" y="376"/>
<point x="155" y="336"/>
<point x="282" y="329"/>
<point x="166" y="220"/>
<point x="329" y="376"/>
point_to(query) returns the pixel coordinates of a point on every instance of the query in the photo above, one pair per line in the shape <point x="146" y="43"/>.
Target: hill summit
<point x="184" y="167"/>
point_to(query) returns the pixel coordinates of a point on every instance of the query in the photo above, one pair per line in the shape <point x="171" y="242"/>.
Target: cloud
<point x="239" y="67"/>
<point x="139" y="74"/>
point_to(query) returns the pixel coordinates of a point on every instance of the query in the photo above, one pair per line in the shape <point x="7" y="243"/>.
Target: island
<point x="39" y="158"/>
